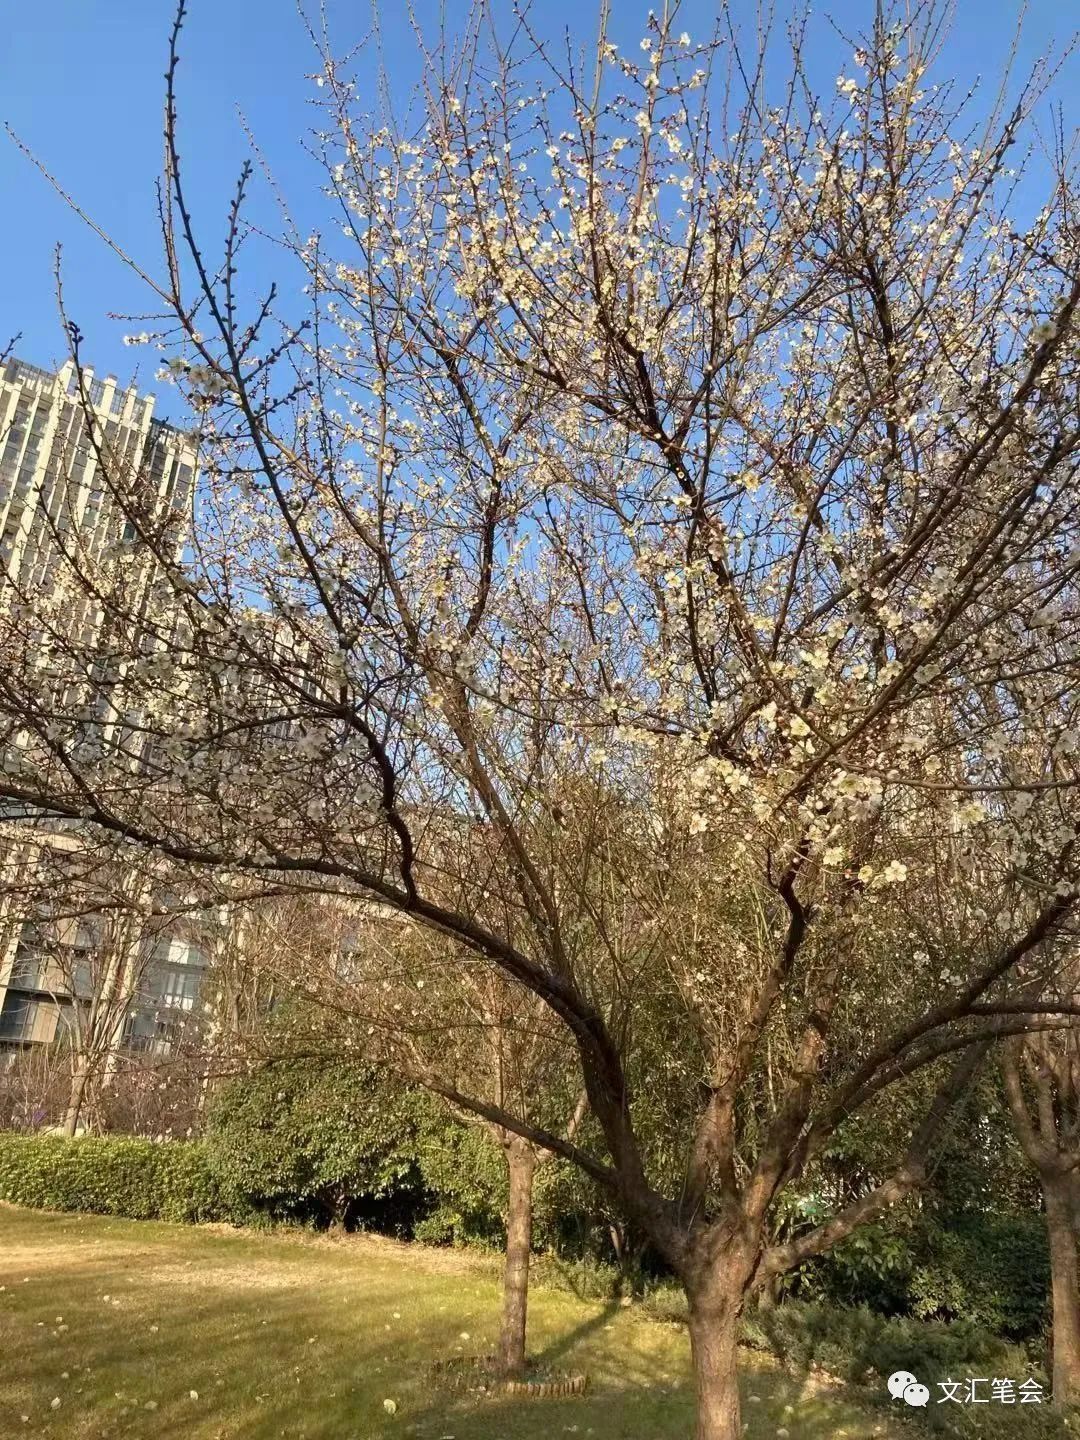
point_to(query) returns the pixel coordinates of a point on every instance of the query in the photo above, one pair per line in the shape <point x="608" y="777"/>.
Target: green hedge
<point x="116" y="1175"/>
<point x="990" y="1268"/>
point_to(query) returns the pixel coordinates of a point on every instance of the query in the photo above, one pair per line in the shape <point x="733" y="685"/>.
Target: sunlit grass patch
<point x="173" y="1333"/>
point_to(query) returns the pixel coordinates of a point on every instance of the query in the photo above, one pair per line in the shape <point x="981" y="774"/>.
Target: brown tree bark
<point x="1046" y="1129"/>
<point x="1064" y="1287"/>
<point x="769" y="1294"/>
<point x="521" y="1164"/>
<point x="715" y="1305"/>
<point x="79" y="1081"/>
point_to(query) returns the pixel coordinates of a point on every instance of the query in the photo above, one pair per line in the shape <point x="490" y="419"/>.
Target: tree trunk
<point x="1064" y="1286"/>
<point x="521" y="1164"/>
<point x="336" y="1204"/>
<point x="1073" y="1185"/>
<point x="79" y="1081"/>
<point x="769" y="1294"/>
<point x="714" y="1330"/>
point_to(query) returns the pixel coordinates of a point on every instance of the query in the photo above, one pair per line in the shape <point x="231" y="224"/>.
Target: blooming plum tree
<point x="650" y="563"/>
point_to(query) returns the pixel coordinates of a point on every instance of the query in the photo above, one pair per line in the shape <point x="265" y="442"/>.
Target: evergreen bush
<point x="116" y="1175"/>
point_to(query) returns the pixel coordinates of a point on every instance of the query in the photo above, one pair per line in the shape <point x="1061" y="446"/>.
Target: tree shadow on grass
<point x="637" y="1411"/>
<point x="556" y="1351"/>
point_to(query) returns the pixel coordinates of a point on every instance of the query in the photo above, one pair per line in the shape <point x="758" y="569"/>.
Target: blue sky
<point x="81" y="82"/>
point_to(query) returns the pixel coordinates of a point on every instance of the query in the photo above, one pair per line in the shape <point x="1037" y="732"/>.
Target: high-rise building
<point x="107" y="982"/>
<point x="56" y="505"/>
<point x="50" y="476"/>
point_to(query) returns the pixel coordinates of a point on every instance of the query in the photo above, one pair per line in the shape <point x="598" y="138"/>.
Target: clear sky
<point x="81" y="82"/>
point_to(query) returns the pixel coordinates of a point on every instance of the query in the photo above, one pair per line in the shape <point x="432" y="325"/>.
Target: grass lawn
<point x="173" y="1333"/>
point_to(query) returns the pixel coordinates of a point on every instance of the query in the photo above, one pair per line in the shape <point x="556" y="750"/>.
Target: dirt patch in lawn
<point x="437" y="1260"/>
<point x="234" y="1276"/>
<point x="17" y="1255"/>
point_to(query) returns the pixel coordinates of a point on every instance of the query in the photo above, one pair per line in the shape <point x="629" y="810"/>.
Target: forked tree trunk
<point x="521" y="1164"/>
<point x="715" y="1305"/>
<point x="1064" y="1286"/>
<point x="336" y="1205"/>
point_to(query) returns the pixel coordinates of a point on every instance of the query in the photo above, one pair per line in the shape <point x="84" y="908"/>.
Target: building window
<point x="17" y="1017"/>
<point x="179" y="989"/>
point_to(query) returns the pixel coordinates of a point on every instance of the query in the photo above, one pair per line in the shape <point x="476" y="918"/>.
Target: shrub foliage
<point x="116" y="1175"/>
<point x="305" y="1143"/>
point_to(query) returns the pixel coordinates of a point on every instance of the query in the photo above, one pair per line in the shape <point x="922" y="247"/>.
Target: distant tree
<point x="83" y="924"/>
<point x="34" y="1087"/>
<point x="80" y="930"/>
<point x="462" y="1033"/>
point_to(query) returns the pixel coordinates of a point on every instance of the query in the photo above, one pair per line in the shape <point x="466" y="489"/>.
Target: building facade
<point x="51" y="443"/>
<point x="56" y="504"/>
<point x="107" y="986"/>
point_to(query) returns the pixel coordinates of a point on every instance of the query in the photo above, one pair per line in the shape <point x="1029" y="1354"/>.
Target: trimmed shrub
<point x="115" y="1175"/>
<point x="991" y="1269"/>
<point x="872" y="1268"/>
<point x="587" y="1279"/>
<point x="666" y="1302"/>
<point x="464" y="1172"/>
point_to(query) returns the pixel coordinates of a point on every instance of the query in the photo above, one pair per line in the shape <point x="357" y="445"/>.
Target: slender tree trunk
<point x="715" y="1304"/>
<point x="521" y="1163"/>
<point x="1064" y="1286"/>
<point x="626" y="1258"/>
<point x="79" y="1081"/>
